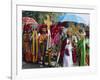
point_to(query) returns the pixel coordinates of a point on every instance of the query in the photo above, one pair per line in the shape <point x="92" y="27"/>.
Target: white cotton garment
<point x="67" y="60"/>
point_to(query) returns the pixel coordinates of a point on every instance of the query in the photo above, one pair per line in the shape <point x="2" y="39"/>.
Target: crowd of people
<point x="61" y="44"/>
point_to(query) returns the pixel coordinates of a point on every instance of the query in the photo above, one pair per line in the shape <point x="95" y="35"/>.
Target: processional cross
<point x="48" y="22"/>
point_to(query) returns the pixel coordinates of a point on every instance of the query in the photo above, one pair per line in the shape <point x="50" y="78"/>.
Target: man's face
<point x="44" y="30"/>
<point x="69" y="33"/>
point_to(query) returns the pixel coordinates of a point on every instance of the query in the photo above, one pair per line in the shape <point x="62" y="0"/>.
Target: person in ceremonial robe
<point x="26" y="43"/>
<point x="87" y="47"/>
<point x="43" y="42"/>
<point x="56" y="41"/>
<point x="67" y="59"/>
<point x="81" y="49"/>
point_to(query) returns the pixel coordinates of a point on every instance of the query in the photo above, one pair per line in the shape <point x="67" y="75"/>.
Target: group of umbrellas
<point x="62" y="18"/>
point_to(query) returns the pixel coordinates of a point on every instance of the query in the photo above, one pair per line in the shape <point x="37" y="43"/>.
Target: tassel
<point x="36" y="46"/>
<point x="33" y="47"/>
<point x="84" y="43"/>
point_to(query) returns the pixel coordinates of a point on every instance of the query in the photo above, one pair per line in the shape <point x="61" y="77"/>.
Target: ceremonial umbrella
<point x="72" y="18"/>
<point x="29" y="20"/>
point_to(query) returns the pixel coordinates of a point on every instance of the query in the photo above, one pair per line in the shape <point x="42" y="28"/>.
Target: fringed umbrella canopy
<point x="29" y="20"/>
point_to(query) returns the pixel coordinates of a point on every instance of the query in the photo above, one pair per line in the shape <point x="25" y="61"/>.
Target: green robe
<point x="81" y="46"/>
<point x="87" y="43"/>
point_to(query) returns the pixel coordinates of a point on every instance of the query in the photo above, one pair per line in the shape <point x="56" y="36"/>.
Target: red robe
<point x="74" y="55"/>
<point x="28" y="56"/>
<point x="63" y="48"/>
